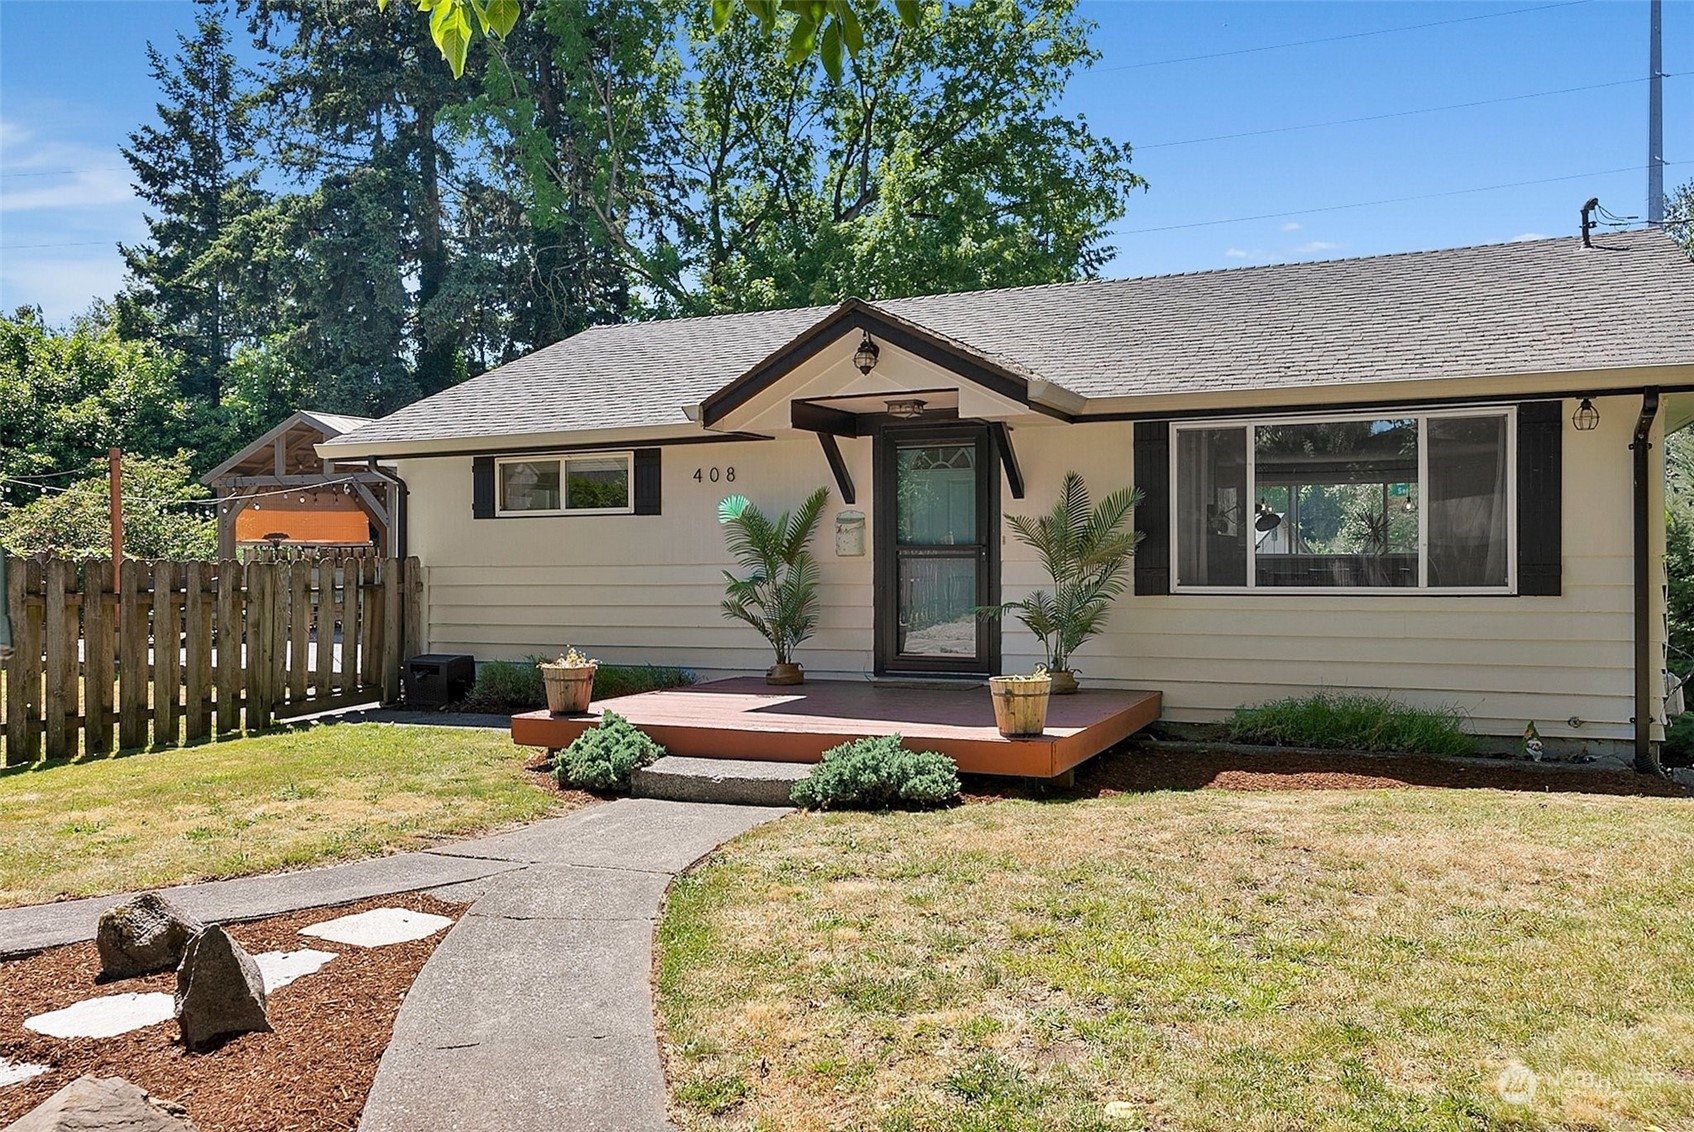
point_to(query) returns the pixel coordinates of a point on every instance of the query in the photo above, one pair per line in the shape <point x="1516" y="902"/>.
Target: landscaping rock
<point x="108" y="1104"/>
<point x="220" y="991"/>
<point x="143" y="935"/>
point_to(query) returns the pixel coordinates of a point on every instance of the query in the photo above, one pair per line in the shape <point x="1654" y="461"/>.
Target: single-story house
<point x="277" y="491"/>
<point x="1457" y="455"/>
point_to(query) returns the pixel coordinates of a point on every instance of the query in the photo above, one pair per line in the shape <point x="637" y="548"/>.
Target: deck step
<point x="745" y="782"/>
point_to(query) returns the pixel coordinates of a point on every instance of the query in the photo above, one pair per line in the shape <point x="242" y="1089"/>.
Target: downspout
<point x="1647" y="667"/>
<point x="397" y="536"/>
<point x="399" y="516"/>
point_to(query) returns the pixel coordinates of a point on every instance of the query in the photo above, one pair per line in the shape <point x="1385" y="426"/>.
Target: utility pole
<point x="115" y="487"/>
<point x="1655" y="114"/>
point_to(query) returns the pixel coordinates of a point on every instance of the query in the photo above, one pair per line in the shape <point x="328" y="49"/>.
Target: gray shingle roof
<point x="1545" y="306"/>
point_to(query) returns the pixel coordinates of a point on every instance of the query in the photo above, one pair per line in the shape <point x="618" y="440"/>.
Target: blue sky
<point x="73" y="84"/>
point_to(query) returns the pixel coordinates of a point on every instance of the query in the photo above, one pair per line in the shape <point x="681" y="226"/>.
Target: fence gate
<point x="165" y="653"/>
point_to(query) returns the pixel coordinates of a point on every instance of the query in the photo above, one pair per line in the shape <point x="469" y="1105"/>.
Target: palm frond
<point x="1086" y="552"/>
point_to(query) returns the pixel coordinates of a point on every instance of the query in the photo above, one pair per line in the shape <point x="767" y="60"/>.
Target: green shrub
<point x="604" y="757"/>
<point x="516" y="685"/>
<point x="1678" y="748"/>
<point x="506" y="685"/>
<point x="1352" y="722"/>
<point x="878" y="773"/>
<point x="611" y="680"/>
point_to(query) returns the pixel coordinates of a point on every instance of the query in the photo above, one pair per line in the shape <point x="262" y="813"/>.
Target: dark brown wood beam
<point x="822" y="419"/>
<point x="1008" y="457"/>
<point x="838" y="467"/>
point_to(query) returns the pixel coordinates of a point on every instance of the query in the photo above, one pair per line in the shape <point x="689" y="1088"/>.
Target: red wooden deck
<point x="744" y="718"/>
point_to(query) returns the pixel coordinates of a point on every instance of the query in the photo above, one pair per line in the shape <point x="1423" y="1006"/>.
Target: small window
<point x="1398" y="501"/>
<point x="593" y="484"/>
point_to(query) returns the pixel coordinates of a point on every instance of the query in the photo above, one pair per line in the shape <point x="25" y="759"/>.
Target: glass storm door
<point x="938" y="536"/>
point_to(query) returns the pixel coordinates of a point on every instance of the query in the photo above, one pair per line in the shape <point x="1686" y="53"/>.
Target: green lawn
<point x="1338" y="960"/>
<point x="253" y="805"/>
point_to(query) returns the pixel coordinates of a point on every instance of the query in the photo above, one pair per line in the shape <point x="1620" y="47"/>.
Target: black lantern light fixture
<point x="906" y="408"/>
<point x="865" y="356"/>
<point x="1587" y="417"/>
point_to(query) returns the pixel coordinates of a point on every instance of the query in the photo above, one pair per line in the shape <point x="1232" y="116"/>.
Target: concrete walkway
<point x="535" y="1011"/>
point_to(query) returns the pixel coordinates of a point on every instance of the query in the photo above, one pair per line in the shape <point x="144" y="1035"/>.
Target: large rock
<point x="143" y="935"/>
<point x="108" y="1104"/>
<point x="220" y="991"/>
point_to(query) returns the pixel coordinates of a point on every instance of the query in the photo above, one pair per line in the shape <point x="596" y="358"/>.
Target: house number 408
<point x="713" y="475"/>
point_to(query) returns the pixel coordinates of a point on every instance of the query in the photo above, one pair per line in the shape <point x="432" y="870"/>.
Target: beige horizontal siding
<point x="645" y="589"/>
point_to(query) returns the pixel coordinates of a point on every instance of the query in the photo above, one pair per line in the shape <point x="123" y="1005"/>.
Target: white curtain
<point x="1468" y="481"/>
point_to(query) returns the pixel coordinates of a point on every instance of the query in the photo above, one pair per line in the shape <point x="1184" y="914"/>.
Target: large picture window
<point x="1393" y="502"/>
<point x="591" y="483"/>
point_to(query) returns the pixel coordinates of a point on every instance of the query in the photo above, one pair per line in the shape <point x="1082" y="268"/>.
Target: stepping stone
<point x="15" y="1072"/>
<point x="280" y="968"/>
<point x="379" y="927"/>
<point x="742" y="782"/>
<point x="105" y="1017"/>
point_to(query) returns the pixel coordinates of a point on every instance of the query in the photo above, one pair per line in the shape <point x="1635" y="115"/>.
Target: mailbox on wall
<point x="850" y="534"/>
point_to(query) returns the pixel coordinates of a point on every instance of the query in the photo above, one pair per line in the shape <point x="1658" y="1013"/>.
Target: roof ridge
<point x="825" y="308"/>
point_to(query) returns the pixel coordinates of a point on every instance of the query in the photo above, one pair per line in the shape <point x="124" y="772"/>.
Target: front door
<point x="937" y="549"/>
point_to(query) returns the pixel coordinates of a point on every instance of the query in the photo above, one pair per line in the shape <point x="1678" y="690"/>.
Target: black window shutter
<point x="646" y="481"/>
<point x="1541" y="431"/>
<point x="1152" y="514"/>
<point x="482" y="487"/>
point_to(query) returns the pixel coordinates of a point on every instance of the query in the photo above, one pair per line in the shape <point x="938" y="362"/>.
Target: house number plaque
<point x="714" y="475"/>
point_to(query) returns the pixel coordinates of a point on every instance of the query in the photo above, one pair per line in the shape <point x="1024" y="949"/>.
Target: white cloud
<point x="1312" y="247"/>
<point x="1527" y="237"/>
<point x="43" y="174"/>
<point x="65" y="206"/>
<point x="1291" y="226"/>
<point x="63" y="288"/>
<point x="73" y="189"/>
<point x="1236" y="253"/>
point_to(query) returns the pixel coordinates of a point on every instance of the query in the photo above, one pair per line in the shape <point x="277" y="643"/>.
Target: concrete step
<point x="745" y="782"/>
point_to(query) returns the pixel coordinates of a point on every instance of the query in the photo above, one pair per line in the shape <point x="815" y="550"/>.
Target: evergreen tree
<point x="191" y="170"/>
<point x="356" y="111"/>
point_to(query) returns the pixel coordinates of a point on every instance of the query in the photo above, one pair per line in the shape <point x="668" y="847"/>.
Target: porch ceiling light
<point x="1587" y="417"/>
<point x="865" y="356"/>
<point x="906" y="408"/>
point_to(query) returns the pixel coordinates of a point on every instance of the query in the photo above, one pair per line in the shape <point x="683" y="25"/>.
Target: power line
<point x="1395" y="114"/>
<point x="1338" y="38"/>
<point x="65" y="172"/>
<point x="1385" y="200"/>
<point x="77" y="244"/>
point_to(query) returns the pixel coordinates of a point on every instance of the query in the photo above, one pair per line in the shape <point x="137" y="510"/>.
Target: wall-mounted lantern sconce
<point x="906" y="409"/>
<point x="865" y="356"/>
<point x="1587" y="417"/>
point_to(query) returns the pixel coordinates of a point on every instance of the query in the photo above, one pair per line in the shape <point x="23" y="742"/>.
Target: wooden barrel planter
<point x="1020" y="703"/>
<point x="569" y="690"/>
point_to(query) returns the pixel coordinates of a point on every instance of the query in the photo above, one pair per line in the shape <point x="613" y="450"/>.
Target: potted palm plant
<point x="1086" y="550"/>
<point x="779" y="595"/>
<point x="569" y="681"/>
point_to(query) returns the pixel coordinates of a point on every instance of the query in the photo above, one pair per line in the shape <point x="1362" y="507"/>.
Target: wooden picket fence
<point x="169" y="653"/>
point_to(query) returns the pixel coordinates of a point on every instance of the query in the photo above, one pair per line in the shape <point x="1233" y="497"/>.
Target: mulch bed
<point x="1138" y="769"/>
<point x="309" y="1076"/>
<point x="541" y="774"/>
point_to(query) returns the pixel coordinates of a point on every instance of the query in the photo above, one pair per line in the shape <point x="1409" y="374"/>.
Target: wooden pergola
<point x="281" y="473"/>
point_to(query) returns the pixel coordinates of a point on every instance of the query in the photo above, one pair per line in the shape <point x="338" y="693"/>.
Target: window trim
<point x="563" y="459"/>
<point x="1508" y="412"/>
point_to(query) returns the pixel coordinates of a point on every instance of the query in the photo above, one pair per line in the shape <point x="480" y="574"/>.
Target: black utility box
<point x="437" y="679"/>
